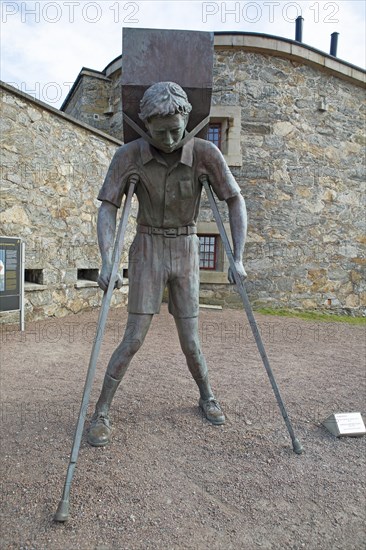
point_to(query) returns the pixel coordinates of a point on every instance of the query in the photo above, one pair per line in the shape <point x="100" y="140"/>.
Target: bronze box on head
<point x="155" y="55"/>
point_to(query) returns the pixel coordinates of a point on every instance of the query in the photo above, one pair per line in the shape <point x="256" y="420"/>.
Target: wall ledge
<point x="281" y="47"/>
<point x="290" y="49"/>
<point x="32" y="287"/>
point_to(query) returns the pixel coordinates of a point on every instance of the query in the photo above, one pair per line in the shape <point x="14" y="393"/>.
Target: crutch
<point x="297" y="447"/>
<point x="62" y="513"/>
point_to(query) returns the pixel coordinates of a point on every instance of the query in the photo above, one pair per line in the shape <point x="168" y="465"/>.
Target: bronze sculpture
<point x="167" y="168"/>
<point x="166" y="247"/>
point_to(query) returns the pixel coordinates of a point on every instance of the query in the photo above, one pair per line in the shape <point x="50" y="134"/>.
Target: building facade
<point x="52" y="166"/>
<point x="290" y="122"/>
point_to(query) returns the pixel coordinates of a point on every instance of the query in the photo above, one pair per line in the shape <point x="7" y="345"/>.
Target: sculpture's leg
<point x="190" y="344"/>
<point x="135" y="332"/>
<point x="134" y="336"/>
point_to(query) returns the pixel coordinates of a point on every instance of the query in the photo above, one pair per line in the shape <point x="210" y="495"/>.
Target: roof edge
<point x="290" y="41"/>
<point x="85" y="71"/>
<point x="266" y="43"/>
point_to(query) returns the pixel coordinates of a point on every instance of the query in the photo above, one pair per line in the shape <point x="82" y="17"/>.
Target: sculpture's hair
<point x="164" y="99"/>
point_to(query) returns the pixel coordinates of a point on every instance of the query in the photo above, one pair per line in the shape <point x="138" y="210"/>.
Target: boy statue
<point x="165" y="250"/>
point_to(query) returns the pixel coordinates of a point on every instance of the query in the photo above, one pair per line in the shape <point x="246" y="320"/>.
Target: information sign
<point x="12" y="276"/>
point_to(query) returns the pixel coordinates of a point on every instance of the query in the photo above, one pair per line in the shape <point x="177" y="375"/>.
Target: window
<point x="88" y="274"/>
<point x="87" y="278"/>
<point x="213" y="261"/>
<point x="214" y="133"/>
<point x="34" y="276"/>
<point x="225" y="131"/>
<point x="208" y="251"/>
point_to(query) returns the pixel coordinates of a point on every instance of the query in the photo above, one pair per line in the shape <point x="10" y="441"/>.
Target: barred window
<point x="214" y="133"/>
<point x="208" y="251"/>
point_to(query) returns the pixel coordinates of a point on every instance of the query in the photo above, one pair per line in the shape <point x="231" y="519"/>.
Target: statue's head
<point x="165" y="110"/>
<point x="164" y="99"/>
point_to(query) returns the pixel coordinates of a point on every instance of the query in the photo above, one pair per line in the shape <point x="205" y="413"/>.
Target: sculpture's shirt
<point x="168" y="196"/>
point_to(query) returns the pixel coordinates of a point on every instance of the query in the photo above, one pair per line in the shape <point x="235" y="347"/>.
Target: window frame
<point x="219" y="275"/>
<point x="215" y="126"/>
<point x="229" y="116"/>
<point x="211" y="261"/>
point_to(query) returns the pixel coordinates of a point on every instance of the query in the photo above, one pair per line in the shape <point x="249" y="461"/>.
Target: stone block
<point x="69" y="276"/>
<point x="299" y="51"/>
<point x="283" y="128"/>
<point x="238" y="40"/>
<point x="15" y="215"/>
<point x="329" y="195"/>
<point x="252" y="128"/>
<point x="335" y="65"/>
<point x="223" y="40"/>
<point x="283" y="47"/>
<point x="355" y="276"/>
<point x="358" y="75"/>
<point x="352" y="301"/>
<point x="256" y="42"/>
<point x="34" y="114"/>
<point x="39" y="298"/>
<point x="309" y="304"/>
<point x="315" y="57"/>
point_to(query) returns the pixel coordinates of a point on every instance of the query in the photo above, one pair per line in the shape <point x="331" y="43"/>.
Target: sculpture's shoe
<point x="212" y="410"/>
<point x="99" y="430"/>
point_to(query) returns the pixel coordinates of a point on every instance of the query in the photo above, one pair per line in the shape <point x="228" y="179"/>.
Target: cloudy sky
<point x="44" y="44"/>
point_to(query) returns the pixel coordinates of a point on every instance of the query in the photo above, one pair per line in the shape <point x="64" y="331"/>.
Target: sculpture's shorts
<point x="156" y="261"/>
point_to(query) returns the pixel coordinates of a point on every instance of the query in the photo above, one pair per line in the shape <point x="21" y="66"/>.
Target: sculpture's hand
<point x="104" y="277"/>
<point x="241" y="272"/>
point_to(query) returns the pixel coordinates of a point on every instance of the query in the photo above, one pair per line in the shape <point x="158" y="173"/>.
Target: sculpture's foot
<point x="99" y="430"/>
<point x="212" y="410"/>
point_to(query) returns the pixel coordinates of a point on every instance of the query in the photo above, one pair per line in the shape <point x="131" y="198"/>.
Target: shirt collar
<point x="147" y="152"/>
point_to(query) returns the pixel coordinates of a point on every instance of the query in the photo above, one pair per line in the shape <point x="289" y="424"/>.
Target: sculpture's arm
<point x="238" y="226"/>
<point x="106" y="229"/>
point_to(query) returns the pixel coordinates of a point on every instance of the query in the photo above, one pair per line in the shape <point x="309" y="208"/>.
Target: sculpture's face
<point x="167" y="131"/>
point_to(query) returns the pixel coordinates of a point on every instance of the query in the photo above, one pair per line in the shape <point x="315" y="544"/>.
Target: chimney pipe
<point x="299" y="24"/>
<point x="334" y="43"/>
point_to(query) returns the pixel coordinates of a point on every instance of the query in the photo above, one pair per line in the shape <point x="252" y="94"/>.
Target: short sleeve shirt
<point x="168" y="196"/>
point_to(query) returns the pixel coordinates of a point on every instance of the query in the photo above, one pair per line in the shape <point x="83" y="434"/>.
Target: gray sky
<point x="44" y="44"/>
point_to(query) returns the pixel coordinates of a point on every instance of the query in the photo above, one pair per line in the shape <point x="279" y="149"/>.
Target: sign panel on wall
<point x="11" y="275"/>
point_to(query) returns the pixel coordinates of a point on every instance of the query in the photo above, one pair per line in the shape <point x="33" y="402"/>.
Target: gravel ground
<point x="169" y="479"/>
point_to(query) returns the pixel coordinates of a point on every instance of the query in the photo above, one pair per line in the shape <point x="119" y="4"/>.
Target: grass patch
<point x="313" y="316"/>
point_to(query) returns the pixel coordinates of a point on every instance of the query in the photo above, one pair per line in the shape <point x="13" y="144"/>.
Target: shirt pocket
<point x="185" y="188"/>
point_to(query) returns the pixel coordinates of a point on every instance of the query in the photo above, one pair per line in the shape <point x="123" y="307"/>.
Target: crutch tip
<point x="62" y="513"/>
<point x="297" y="447"/>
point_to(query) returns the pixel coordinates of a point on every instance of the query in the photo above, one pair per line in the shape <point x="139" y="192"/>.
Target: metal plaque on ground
<point x="345" y="424"/>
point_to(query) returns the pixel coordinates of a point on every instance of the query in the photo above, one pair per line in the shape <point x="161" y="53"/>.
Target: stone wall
<point x="91" y="101"/>
<point x="302" y="173"/>
<point x="52" y="169"/>
<point x="97" y="100"/>
<point x="303" y="179"/>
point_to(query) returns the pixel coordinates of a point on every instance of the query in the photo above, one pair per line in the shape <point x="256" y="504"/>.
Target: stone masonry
<point x="52" y="169"/>
<point x="302" y="175"/>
